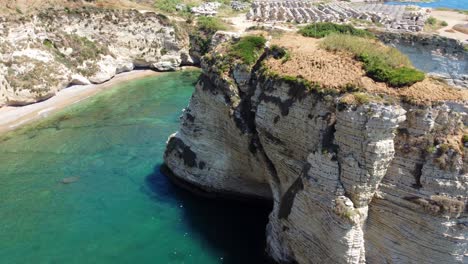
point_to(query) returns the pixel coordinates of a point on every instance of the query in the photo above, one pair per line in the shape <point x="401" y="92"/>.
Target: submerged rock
<point x="69" y="180"/>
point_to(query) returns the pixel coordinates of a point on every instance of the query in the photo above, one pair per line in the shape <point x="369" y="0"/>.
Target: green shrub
<point x="444" y="148"/>
<point x="431" y="21"/>
<point x="433" y="24"/>
<point x="381" y="63"/>
<point x="465" y="139"/>
<point x="377" y="69"/>
<point x="248" y="48"/>
<point x="210" y="24"/>
<point x="167" y="5"/>
<point x="430" y="149"/>
<point x="48" y="43"/>
<point x="362" y="98"/>
<point x="322" y="29"/>
<point x="357" y="46"/>
<point x="280" y="53"/>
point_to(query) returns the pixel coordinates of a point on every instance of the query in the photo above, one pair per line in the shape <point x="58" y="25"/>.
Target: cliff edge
<point x="358" y="171"/>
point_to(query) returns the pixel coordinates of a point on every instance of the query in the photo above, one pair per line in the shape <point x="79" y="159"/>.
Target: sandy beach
<point x="13" y="117"/>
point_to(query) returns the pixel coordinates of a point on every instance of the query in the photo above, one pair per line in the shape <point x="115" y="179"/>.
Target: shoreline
<point x="13" y="117"/>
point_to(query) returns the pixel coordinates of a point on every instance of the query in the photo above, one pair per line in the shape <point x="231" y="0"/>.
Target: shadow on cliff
<point x="236" y="229"/>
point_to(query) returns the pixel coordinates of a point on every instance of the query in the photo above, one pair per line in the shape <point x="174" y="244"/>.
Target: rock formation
<point x="41" y="54"/>
<point x="392" y="17"/>
<point x="382" y="181"/>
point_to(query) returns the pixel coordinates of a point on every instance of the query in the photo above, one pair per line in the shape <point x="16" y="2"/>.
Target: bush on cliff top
<point x="248" y="48"/>
<point x="381" y="63"/>
<point x="323" y="29"/>
<point x="377" y="69"/>
<point x="210" y="24"/>
<point x="167" y="5"/>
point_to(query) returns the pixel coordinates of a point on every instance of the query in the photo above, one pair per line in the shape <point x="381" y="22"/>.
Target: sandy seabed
<point x="12" y="117"/>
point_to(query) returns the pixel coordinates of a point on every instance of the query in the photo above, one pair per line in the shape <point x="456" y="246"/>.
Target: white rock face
<point x="42" y="54"/>
<point x="349" y="185"/>
<point x="77" y="79"/>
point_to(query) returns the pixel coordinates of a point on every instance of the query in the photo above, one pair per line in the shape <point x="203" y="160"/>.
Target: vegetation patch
<point x="168" y="6"/>
<point x="323" y="29"/>
<point x="210" y="24"/>
<point x="433" y="24"/>
<point x="84" y="52"/>
<point x="445" y="153"/>
<point x="248" y="49"/>
<point x="381" y="63"/>
<point x="378" y="70"/>
<point x="201" y="35"/>
<point x="355" y="99"/>
<point x="280" y="53"/>
<point x="465" y="139"/>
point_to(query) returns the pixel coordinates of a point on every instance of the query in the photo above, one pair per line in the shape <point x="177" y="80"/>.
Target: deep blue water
<point x="455" y="4"/>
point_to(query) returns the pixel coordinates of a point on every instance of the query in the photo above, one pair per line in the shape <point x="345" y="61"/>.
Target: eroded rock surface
<point x="41" y="54"/>
<point x="379" y="182"/>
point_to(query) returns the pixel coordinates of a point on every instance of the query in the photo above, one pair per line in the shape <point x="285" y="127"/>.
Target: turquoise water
<point x="121" y="209"/>
<point x="454" y="4"/>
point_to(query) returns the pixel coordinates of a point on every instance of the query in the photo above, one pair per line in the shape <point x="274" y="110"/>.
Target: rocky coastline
<point x="372" y="182"/>
<point x="43" y="53"/>
<point x="353" y="177"/>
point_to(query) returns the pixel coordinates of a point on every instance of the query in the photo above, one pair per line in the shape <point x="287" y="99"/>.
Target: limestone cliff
<point x="45" y="52"/>
<point x="374" y="181"/>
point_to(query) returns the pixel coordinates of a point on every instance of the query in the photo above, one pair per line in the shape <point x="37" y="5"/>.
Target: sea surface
<point x="454" y="4"/>
<point x="118" y="208"/>
<point x="427" y="61"/>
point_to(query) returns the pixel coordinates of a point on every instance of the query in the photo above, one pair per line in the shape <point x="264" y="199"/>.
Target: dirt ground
<point x="336" y="70"/>
<point x="313" y="63"/>
<point x="452" y="18"/>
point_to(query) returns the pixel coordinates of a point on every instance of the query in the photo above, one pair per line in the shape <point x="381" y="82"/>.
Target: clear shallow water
<point x="425" y="60"/>
<point x="122" y="209"/>
<point x="454" y="4"/>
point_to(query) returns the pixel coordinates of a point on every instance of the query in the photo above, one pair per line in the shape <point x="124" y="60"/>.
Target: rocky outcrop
<point x="41" y="54"/>
<point x="391" y="17"/>
<point x="373" y="182"/>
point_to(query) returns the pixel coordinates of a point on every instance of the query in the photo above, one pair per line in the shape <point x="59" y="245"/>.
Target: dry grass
<point x="338" y="70"/>
<point x="370" y="47"/>
<point x="19" y="7"/>
<point x="422" y="93"/>
<point x="314" y="64"/>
